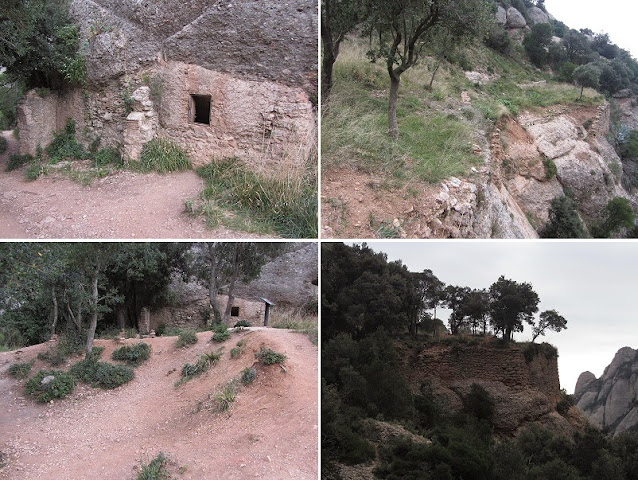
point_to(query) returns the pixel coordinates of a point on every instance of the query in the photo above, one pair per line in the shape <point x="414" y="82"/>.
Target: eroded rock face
<point x="501" y="15"/>
<point x="611" y="400"/>
<point x="515" y="19"/>
<point x="536" y="15"/>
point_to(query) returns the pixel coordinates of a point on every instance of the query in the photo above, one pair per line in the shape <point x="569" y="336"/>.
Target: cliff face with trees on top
<point x="611" y="401"/>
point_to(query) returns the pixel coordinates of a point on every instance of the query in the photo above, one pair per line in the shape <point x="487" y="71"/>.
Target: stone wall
<point x="485" y="361"/>
<point x="250" y="310"/>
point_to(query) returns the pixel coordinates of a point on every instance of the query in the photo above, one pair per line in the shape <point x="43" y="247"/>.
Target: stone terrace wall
<point x="485" y="361"/>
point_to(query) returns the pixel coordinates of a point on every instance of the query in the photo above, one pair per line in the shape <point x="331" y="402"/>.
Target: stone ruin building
<point x="222" y="79"/>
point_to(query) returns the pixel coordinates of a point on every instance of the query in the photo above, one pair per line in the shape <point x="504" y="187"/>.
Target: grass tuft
<point x="162" y="156"/>
<point x="186" y="338"/>
<point x="21" y="370"/>
<point x="156" y="469"/>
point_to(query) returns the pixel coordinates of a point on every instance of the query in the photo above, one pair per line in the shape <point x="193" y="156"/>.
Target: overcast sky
<point x="615" y="17"/>
<point x="594" y="285"/>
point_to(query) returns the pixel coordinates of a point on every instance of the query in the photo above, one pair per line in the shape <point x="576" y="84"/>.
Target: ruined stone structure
<point x="522" y="391"/>
<point x="221" y="79"/>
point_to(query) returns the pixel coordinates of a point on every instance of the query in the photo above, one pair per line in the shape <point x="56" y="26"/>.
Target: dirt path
<point x="122" y="205"/>
<point x="271" y="431"/>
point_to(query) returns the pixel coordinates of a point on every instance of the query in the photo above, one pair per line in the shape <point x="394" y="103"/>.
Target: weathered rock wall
<point x="486" y="361"/>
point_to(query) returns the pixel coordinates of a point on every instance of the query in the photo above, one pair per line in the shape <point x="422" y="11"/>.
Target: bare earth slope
<point x="269" y="432"/>
<point x="122" y="205"/>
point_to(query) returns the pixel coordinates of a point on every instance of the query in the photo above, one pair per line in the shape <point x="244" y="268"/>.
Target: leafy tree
<point x="39" y="43"/>
<point x="338" y="18"/>
<point x="455" y="298"/>
<point x="407" y="24"/>
<point x="537" y="42"/>
<point x="614" y="77"/>
<point x="578" y="47"/>
<point x="476" y="308"/>
<point x="587" y="76"/>
<point x="511" y="304"/>
<point x="618" y="214"/>
<point x="549" y="320"/>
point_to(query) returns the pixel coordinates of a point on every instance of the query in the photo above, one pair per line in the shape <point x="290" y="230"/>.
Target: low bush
<point x="65" y="146"/>
<point x="204" y="363"/>
<point x="101" y="374"/>
<point x="269" y="357"/>
<point x="565" y="403"/>
<point x="52" y="356"/>
<point x="107" y="156"/>
<point x="226" y="397"/>
<point x="220" y="336"/>
<point x="65" y="348"/>
<point x="156" y="469"/>
<point x="532" y="350"/>
<point x="133" y="354"/>
<point x="550" y="168"/>
<point x="236" y="352"/>
<point x="162" y="156"/>
<point x="564" y="221"/>
<point x="21" y="370"/>
<point x="16" y="161"/>
<point x="186" y="337"/>
<point x="248" y="375"/>
<point x="34" y="170"/>
<point x="3" y="145"/>
<point x="242" y="323"/>
<point x="61" y="385"/>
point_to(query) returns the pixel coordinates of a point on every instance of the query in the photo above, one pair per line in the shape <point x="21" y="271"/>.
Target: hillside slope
<point x="269" y="432"/>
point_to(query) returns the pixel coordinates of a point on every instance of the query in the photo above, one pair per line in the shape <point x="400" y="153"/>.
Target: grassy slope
<point x="436" y="127"/>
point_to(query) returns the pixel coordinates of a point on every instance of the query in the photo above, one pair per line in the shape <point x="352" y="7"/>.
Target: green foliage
<point x="162" y="156"/>
<point x="41" y="44"/>
<point x="286" y="203"/>
<point x="101" y="374"/>
<point x="565" y="403"/>
<point x="64" y="145"/>
<point x="156" y="469"/>
<point x="478" y="403"/>
<point x="16" y="161"/>
<point x="61" y="385"/>
<point x="186" y="338"/>
<point x="628" y="147"/>
<point x="550" y="168"/>
<point x="564" y="221"/>
<point x="236" y="352"/>
<point x="618" y="214"/>
<point x="65" y="348"/>
<point x="107" y="156"/>
<point x="268" y="356"/>
<point x="248" y="375"/>
<point x="3" y="145"/>
<point x="532" y="350"/>
<point x="226" y="397"/>
<point x="537" y="42"/>
<point x="34" y="171"/>
<point x="203" y="364"/>
<point x="242" y="323"/>
<point x="220" y="336"/>
<point x="21" y="370"/>
<point x="133" y="355"/>
<point x="587" y="76"/>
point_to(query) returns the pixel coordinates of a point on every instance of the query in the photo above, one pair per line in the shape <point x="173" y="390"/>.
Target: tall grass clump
<point x="203" y="364"/>
<point x="17" y="161"/>
<point x="186" y="338"/>
<point x="3" y="145"/>
<point x="65" y="146"/>
<point x="133" y="354"/>
<point x="162" y="156"/>
<point x="286" y="203"/>
<point x="156" y="469"/>
<point x="21" y="370"/>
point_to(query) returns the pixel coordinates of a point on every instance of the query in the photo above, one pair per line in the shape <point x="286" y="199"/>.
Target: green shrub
<point x="545" y="349"/>
<point x="21" y="370"/>
<point x="204" y="363"/>
<point x="564" y="221"/>
<point x="155" y="469"/>
<point x="242" y="323"/>
<point x="287" y="204"/>
<point x="3" y="145"/>
<point x="65" y="146"/>
<point x="133" y="355"/>
<point x="236" y="352"/>
<point x="565" y="403"/>
<point x="34" y="171"/>
<point x="101" y="374"/>
<point x="225" y="398"/>
<point x="161" y="328"/>
<point x="65" y="348"/>
<point x="17" y="161"/>
<point x="60" y="386"/>
<point x="248" y="375"/>
<point x="618" y="213"/>
<point x="220" y="336"/>
<point x="478" y="403"/>
<point x="52" y="356"/>
<point x="162" y="156"/>
<point x="95" y="354"/>
<point x="107" y="156"/>
<point x="269" y="357"/>
<point x="186" y="337"/>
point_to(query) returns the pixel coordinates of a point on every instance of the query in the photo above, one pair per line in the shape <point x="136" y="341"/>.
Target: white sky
<point x="593" y="284"/>
<point x="615" y="17"/>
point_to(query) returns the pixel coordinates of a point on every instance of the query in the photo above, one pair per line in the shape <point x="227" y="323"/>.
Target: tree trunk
<point x="327" y="66"/>
<point x="94" y="299"/>
<point x="436" y="69"/>
<point x="212" y="284"/>
<point x="231" y="290"/>
<point x="581" y="93"/>
<point x="55" y="311"/>
<point x="392" y="106"/>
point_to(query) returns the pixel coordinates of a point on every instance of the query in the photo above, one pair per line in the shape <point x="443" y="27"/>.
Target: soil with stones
<point x="270" y="431"/>
<point x="122" y="205"/>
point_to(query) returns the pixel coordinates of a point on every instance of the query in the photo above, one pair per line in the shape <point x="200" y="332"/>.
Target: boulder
<point x="501" y="16"/>
<point x="583" y="381"/>
<point x="515" y="19"/>
<point x="536" y="15"/>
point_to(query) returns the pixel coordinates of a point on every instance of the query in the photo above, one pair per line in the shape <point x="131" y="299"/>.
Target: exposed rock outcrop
<point x="515" y="19"/>
<point x="536" y="15"/>
<point x="501" y="15"/>
<point x="612" y="400"/>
